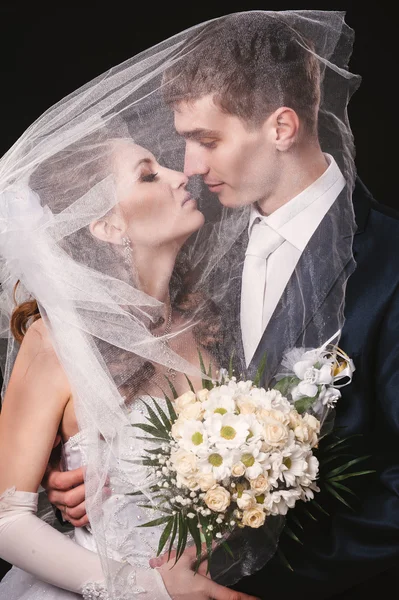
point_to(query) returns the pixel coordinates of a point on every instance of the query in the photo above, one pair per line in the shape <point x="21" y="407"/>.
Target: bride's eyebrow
<point x="147" y="160"/>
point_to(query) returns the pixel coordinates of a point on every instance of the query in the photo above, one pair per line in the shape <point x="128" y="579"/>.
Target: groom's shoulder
<point x="378" y="218"/>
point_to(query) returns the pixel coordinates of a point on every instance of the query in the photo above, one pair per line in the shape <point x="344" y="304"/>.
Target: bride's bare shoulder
<point x="37" y="350"/>
<point x="38" y="337"/>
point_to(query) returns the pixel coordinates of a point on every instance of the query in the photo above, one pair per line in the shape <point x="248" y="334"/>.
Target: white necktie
<point x="262" y="242"/>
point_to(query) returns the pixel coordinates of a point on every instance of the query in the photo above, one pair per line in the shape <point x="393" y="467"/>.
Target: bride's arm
<point x="32" y="410"/>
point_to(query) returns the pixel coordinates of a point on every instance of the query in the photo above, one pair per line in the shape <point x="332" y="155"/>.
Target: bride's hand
<point x="182" y="583"/>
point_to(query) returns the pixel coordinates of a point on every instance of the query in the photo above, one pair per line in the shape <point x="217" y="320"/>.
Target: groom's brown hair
<point x="252" y="64"/>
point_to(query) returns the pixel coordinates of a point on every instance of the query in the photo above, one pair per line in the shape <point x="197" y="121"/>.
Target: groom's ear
<point x="111" y="228"/>
<point x="284" y="124"/>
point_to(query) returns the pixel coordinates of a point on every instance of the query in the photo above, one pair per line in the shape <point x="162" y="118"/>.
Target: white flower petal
<point x="301" y="367"/>
<point x="307" y="389"/>
<point x="325" y="374"/>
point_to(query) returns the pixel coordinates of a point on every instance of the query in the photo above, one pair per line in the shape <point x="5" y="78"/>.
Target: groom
<point x="252" y="150"/>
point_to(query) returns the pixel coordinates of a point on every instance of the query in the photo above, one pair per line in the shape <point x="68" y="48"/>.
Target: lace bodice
<point x="123" y="512"/>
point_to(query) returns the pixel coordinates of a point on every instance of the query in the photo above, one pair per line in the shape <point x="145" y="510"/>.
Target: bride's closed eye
<point x="148" y="178"/>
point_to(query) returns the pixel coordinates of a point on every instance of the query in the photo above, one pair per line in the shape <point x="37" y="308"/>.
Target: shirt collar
<point x="284" y="220"/>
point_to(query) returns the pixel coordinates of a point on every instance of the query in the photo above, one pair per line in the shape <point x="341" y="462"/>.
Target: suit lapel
<point x="231" y="268"/>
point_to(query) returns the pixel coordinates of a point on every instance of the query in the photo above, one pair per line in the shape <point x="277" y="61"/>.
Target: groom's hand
<point x="182" y="583"/>
<point x="66" y="491"/>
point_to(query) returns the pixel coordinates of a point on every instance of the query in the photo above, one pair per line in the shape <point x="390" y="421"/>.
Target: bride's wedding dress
<point x="124" y="515"/>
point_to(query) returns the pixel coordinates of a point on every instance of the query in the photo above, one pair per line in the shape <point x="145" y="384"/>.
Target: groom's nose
<point x="194" y="161"/>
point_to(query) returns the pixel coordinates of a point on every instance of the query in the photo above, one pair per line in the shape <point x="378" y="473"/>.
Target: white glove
<point x="49" y="555"/>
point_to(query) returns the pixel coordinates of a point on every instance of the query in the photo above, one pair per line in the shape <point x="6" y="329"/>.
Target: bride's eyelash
<point x="148" y="178"/>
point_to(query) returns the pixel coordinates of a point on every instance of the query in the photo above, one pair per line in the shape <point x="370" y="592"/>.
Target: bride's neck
<point x="153" y="269"/>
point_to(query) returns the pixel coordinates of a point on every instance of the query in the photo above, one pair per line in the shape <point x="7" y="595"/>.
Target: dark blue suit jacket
<point x="353" y="546"/>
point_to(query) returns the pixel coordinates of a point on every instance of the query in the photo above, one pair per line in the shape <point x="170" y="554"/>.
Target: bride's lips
<point x="187" y="198"/>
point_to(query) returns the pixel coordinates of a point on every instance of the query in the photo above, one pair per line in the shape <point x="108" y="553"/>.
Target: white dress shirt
<point x="296" y="221"/>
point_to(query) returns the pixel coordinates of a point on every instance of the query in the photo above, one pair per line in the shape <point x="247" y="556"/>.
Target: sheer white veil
<point x="58" y="178"/>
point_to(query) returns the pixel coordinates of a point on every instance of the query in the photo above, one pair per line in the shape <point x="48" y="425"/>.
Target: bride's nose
<point x="177" y="179"/>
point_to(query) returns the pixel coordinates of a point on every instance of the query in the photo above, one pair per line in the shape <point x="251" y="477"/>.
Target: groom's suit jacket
<point x="349" y="547"/>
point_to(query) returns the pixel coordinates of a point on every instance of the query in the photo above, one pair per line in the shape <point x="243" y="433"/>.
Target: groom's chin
<point x="230" y="200"/>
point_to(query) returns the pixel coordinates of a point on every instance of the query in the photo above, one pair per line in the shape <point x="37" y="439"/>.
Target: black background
<point x="47" y="52"/>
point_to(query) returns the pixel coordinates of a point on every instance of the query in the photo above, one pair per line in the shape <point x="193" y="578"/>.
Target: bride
<point x="95" y="255"/>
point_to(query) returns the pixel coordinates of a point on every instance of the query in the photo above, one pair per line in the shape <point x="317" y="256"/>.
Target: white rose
<point x="182" y="401"/>
<point x="190" y="482"/>
<point x="295" y="419"/>
<point x="260" y="484"/>
<point x="246" y="501"/>
<point x="275" y="433"/>
<point x="178" y="427"/>
<point x="280" y="416"/>
<point x="202" y="395"/>
<point x="253" y="517"/>
<point x="306" y="434"/>
<point x="238" y="470"/>
<point x="184" y="462"/>
<point x="312" y="422"/>
<point x="206" y="481"/>
<point x="217" y="499"/>
<point x="265" y="415"/>
<point x="192" y="411"/>
<point x="246" y="405"/>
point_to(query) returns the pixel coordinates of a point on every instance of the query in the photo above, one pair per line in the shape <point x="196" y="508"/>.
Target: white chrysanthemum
<point x="243" y="387"/>
<point x="227" y="389"/>
<point x="278" y="401"/>
<point x="227" y="431"/>
<point x="255" y="428"/>
<point x="311" y="470"/>
<point x="218" y="462"/>
<point x="271" y="400"/>
<point x="280" y="501"/>
<point x="252" y="458"/>
<point x="307" y="493"/>
<point x="274" y="462"/>
<point x="274" y="467"/>
<point x="218" y="404"/>
<point x="194" y="437"/>
<point x="293" y="465"/>
<point x="262" y="397"/>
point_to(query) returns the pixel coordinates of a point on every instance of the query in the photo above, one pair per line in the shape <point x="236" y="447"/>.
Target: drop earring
<point x="127" y="250"/>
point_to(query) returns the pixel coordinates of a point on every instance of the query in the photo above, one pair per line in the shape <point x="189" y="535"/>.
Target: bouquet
<point x="233" y="454"/>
